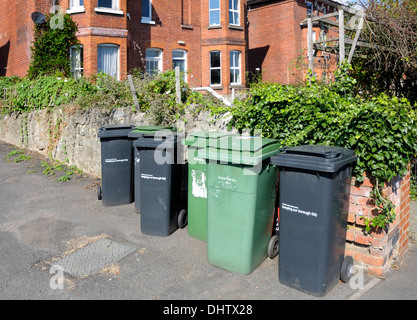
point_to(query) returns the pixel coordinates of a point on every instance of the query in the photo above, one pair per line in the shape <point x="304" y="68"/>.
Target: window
<point x="234" y="67"/>
<point x="108" y="59"/>
<point x="76" y="3"/>
<point x="153" y="61"/>
<point x="179" y="58"/>
<point x="234" y="12"/>
<point x="214" y="12"/>
<point x="76" y="6"/>
<point x="309" y="8"/>
<point x="77" y="60"/>
<point x="215" y="68"/>
<point x="146" y="11"/>
<point x="111" y="4"/>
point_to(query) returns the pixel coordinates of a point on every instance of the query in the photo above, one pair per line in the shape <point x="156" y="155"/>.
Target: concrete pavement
<point x="43" y="220"/>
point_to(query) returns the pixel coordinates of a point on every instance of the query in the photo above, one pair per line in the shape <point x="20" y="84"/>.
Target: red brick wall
<point x="378" y="250"/>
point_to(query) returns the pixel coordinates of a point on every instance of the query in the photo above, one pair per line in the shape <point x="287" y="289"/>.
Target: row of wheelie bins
<point x="247" y="197"/>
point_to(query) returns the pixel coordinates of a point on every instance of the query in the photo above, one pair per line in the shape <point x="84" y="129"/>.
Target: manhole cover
<point x="94" y="257"/>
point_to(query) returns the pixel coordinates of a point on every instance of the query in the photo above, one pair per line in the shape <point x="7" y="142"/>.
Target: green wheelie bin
<point x="241" y="187"/>
<point x="197" y="181"/>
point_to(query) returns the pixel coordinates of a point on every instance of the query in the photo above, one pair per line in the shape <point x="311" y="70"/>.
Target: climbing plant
<point x="51" y="46"/>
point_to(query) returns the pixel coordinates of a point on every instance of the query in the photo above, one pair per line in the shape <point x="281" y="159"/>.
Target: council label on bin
<point x="295" y="209"/>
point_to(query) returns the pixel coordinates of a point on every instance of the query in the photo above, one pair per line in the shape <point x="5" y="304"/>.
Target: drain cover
<point x="94" y="257"/>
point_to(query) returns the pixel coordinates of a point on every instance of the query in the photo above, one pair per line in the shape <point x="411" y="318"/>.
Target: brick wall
<point x="378" y="250"/>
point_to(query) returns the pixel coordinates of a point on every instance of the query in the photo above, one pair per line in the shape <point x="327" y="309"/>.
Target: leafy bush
<point x="381" y="130"/>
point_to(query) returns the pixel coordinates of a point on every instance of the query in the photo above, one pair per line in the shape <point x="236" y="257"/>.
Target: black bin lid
<point x="314" y="157"/>
<point x="115" y="130"/>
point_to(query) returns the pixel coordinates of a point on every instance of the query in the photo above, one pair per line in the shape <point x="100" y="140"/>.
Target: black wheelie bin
<point x="314" y="190"/>
<point x="162" y="204"/>
<point x="116" y="165"/>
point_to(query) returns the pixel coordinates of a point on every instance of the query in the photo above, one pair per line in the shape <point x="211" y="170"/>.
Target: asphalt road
<point x="42" y="220"/>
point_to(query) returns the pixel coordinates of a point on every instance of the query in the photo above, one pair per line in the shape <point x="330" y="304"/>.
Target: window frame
<point x="310" y="4"/>
<point x="238" y="67"/>
<point x="75" y="9"/>
<point x="115" y="8"/>
<point x="185" y="54"/>
<point x="213" y="10"/>
<point x="147" y="19"/>
<point x="215" y="68"/>
<point x="233" y="11"/>
<point x="118" y="57"/>
<point x="153" y="59"/>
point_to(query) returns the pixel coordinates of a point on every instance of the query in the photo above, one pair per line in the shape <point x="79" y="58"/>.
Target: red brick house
<point x="277" y="42"/>
<point x="215" y="41"/>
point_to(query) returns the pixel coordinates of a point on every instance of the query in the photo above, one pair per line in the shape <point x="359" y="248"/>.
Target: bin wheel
<point x="182" y="219"/>
<point x="99" y="193"/>
<point x="273" y="247"/>
<point x="346" y="271"/>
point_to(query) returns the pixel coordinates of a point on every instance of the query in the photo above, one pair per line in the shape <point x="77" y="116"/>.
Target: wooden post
<point x="178" y="84"/>
<point x="355" y="40"/>
<point x="133" y="92"/>
<point x="310" y="45"/>
<point x="341" y="37"/>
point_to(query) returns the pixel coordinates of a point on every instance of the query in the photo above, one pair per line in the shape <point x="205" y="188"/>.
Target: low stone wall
<point x="70" y="135"/>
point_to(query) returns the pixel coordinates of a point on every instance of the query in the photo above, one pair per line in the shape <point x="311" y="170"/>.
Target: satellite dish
<point x="38" y="17"/>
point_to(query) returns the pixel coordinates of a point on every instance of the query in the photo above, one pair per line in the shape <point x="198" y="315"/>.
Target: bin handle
<point x="326" y="154"/>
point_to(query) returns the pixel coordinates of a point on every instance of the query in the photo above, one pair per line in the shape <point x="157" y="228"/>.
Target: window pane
<point x="107" y="59"/>
<point x="153" y="53"/>
<point x="145" y="8"/>
<point x="104" y="3"/>
<point x="214" y="17"/>
<point x="215" y="76"/>
<point x="214" y="4"/>
<point x="178" y="54"/>
<point x="215" y="59"/>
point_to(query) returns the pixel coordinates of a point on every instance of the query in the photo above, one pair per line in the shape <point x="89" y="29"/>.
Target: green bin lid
<point x="314" y="157"/>
<point x="201" y="139"/>
<point x="236" y="149"/>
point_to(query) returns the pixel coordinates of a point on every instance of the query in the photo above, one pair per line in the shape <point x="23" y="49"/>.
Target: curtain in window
<point x="107" y="59"/>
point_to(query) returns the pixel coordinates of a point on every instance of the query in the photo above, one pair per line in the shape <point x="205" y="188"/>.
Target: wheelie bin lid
<point x="151" y="141"/>
<point x="314" y="157"/>
<point x="115" y="130"/>
<point x="237" y="149"/>
<point x="140" y="131"/>
<point x="201" y="139"/>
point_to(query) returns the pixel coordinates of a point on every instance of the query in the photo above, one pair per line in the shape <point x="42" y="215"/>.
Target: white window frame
<point x="147" y="19"/>
<point x="216" y="68"/>
<point x="235" y="67"/>
<point x="184" y="58"/>
<point x="115" y="8"/>
<point x="233" y="11"/>
<point x="157" y="59"/>
<point x="212" y="10"/>
<point x="118" y="56"/>
<point x="75" y="6"/>
<point x="80" y="69"/>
